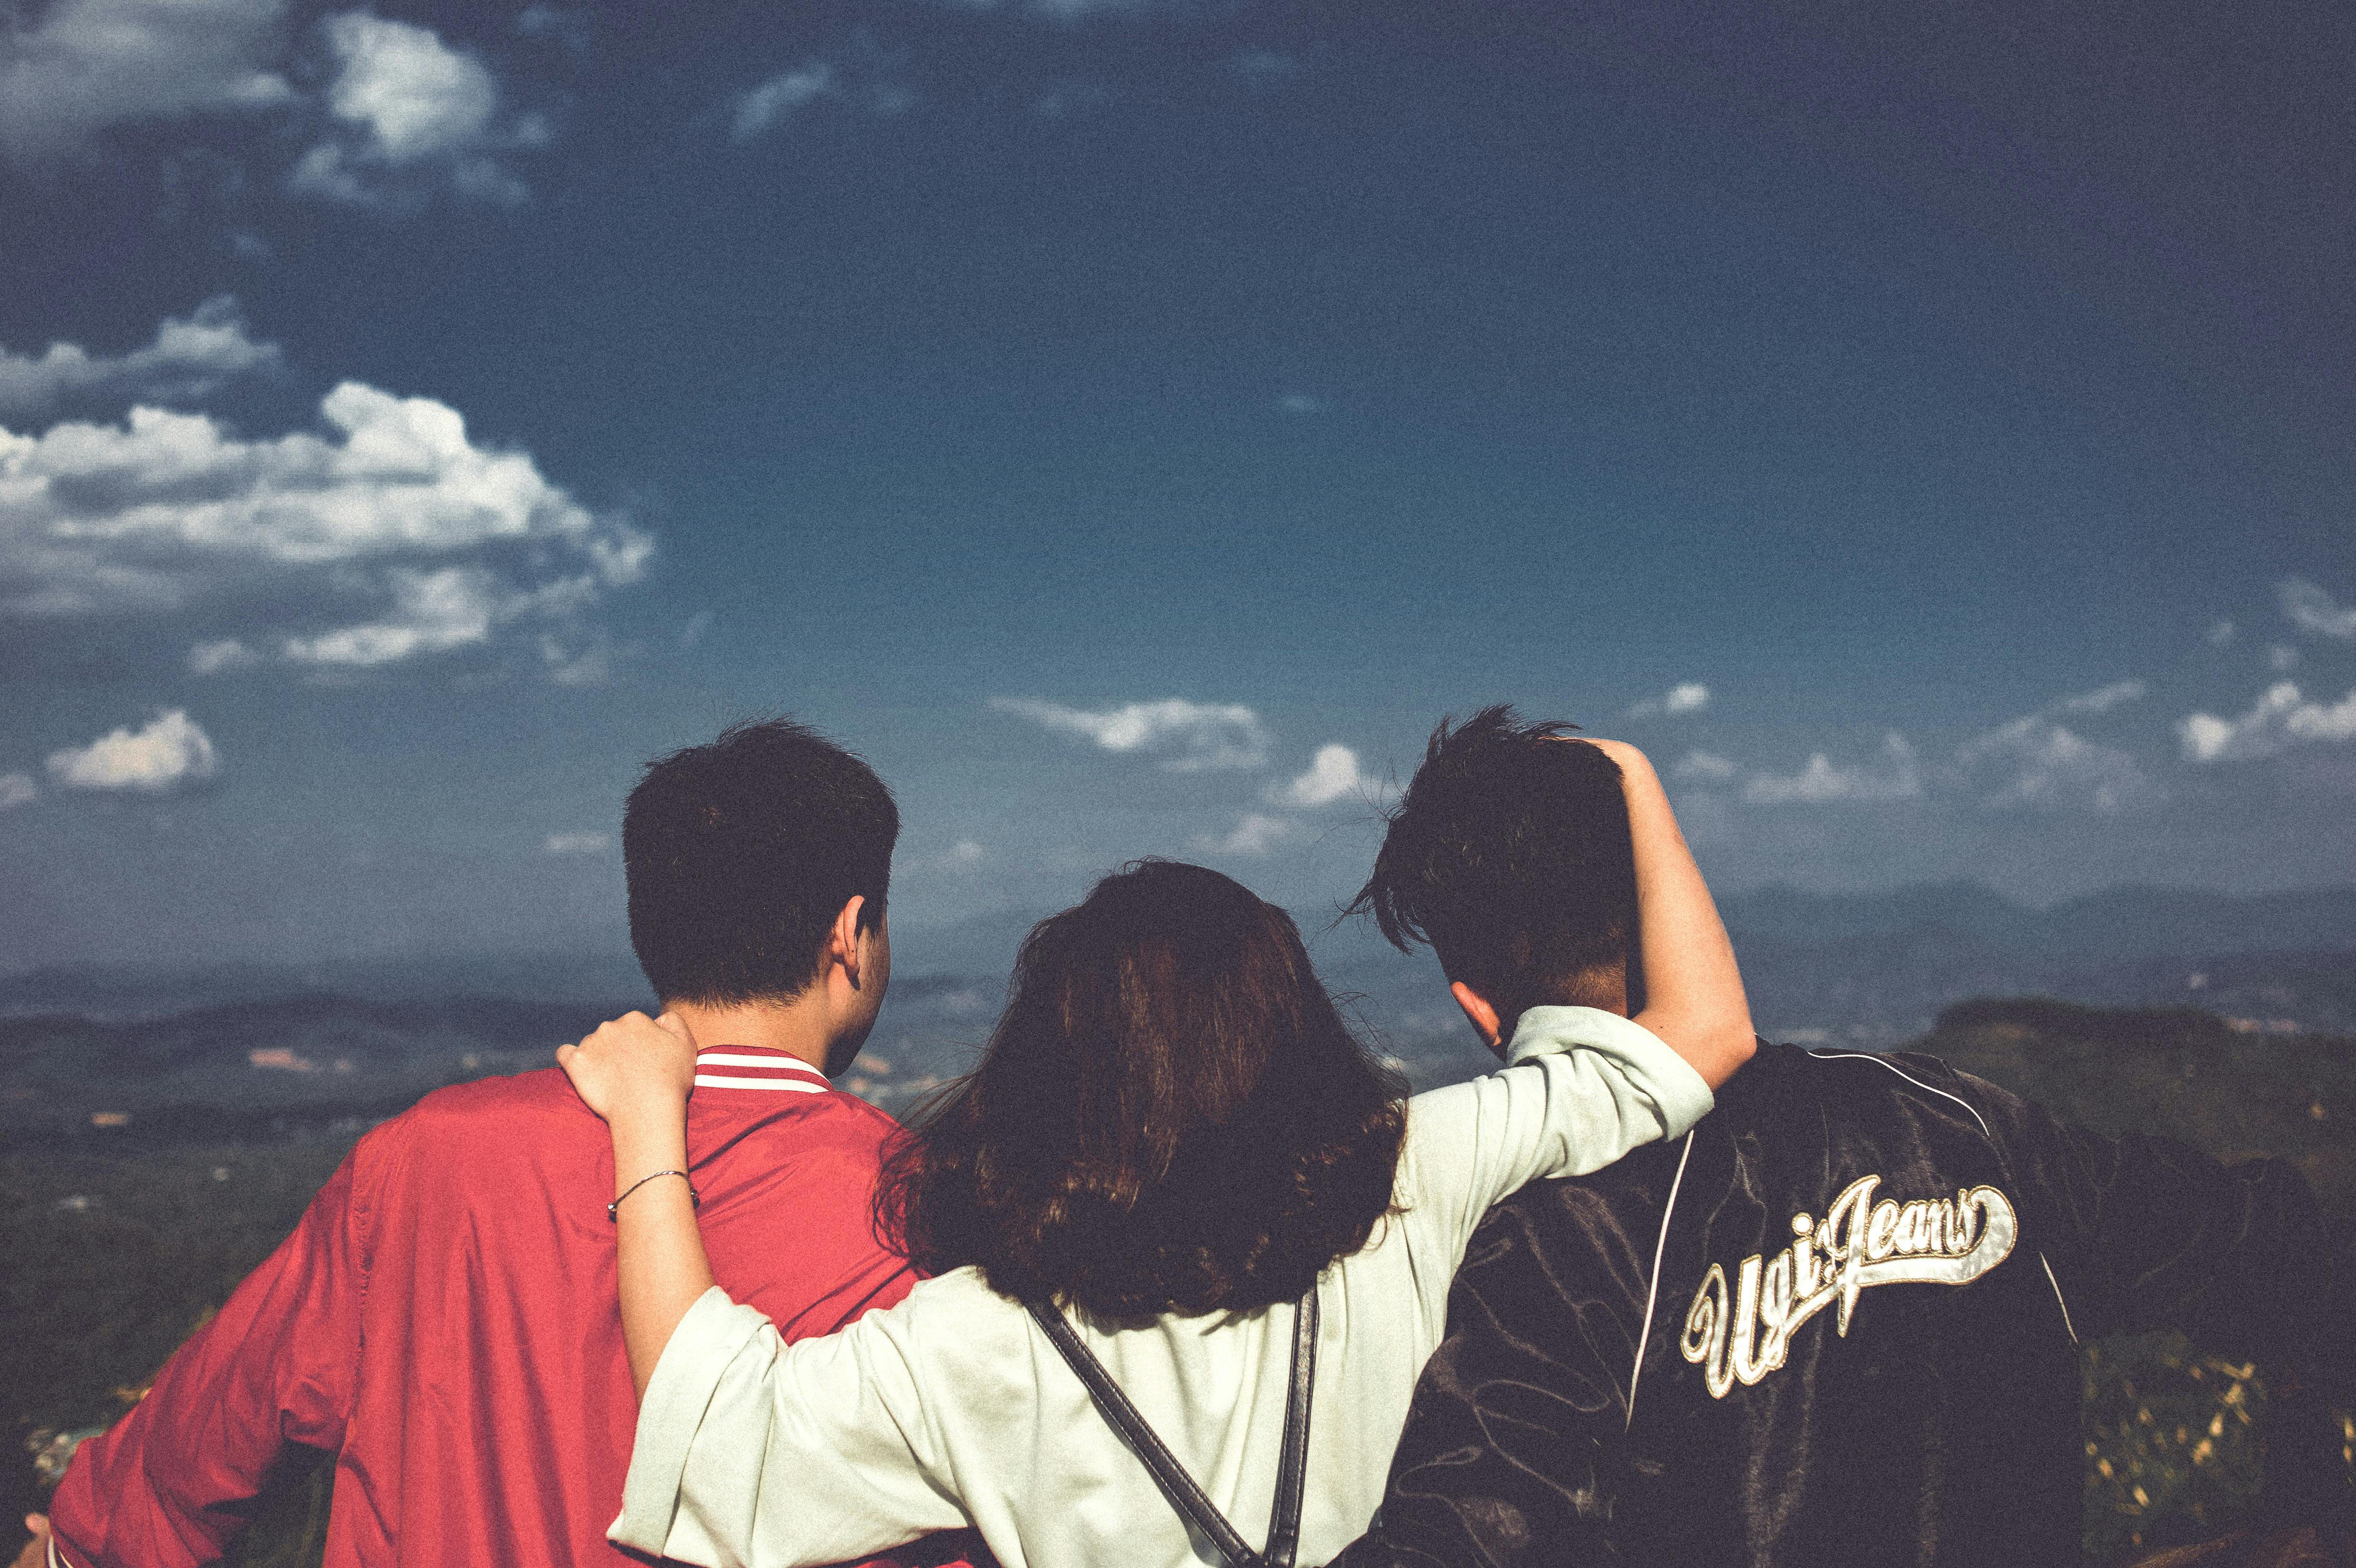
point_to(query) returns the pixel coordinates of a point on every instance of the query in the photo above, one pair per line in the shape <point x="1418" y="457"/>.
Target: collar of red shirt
<point x="757" y="1068"/>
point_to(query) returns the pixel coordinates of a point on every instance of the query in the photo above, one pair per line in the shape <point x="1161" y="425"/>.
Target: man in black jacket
<point x="1836" y="1323"/>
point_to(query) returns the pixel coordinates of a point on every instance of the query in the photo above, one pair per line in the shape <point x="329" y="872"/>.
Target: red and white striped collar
<point x="757" y="1067"/>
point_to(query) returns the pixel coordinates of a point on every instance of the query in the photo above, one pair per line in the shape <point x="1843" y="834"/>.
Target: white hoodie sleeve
<point x="1583" y="1088"/>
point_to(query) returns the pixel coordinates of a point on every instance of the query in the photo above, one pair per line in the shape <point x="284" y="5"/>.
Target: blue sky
<point x="1926" y="432"/>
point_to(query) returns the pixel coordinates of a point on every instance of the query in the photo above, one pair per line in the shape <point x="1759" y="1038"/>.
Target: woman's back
<point x="954" y="1407"/>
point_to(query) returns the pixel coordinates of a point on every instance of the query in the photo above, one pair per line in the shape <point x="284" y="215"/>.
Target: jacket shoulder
<point x="1895" y="1070"/>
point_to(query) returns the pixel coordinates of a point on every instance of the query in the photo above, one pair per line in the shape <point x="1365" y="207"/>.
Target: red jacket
<point x="444" y="1317"/>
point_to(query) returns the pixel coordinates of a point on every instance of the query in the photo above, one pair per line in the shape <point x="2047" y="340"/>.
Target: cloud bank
<point x="2279" y="720"/>
<point x="1194" y="737"/>
<point x="73" y="68"/>
<point x="386" y="535"/>
<point x="192" y="358"/>
<point x="2044" y="765"/>
<point x="1821" y="782"/>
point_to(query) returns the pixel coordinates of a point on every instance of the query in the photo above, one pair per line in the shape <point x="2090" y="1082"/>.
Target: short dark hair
<point x="1172" y="1115"/>
<point x="1510" y="855"/>
<point x="741" y="853"/>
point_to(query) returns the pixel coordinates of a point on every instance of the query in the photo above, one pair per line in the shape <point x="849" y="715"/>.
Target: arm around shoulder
<point x="753" y="1451"/>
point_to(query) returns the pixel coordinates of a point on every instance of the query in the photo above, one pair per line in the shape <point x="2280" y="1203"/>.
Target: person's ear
<point x="1483" y="1017"/>
<point x="842" y="944"/>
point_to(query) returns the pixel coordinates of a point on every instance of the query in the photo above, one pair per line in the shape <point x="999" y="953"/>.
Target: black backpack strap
<point x="1292" y="1464"/>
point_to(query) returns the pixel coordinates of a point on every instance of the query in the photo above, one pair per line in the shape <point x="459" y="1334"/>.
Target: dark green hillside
<point x="112" y="1262"/>
<point x="2235" y="1093"/>
<point x="2177" y="1438"/>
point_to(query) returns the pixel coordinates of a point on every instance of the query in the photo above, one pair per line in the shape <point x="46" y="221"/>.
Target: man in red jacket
<point x="445" y="1318"/>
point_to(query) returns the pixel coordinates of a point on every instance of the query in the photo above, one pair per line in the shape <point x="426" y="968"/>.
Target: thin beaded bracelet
<point x="694" y="1200"/>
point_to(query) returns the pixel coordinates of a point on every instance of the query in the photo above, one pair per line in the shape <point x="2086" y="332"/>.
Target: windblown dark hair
<point x="1172" y="1115"/>
<point x="740" y="853"/>
<point x="1510" y="855"/>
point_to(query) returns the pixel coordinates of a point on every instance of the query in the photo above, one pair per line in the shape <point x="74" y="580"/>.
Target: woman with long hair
<point x="1177" y="1200"/>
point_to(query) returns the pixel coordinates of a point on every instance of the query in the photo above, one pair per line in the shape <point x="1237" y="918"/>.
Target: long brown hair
<point x="1172" y="1115"/>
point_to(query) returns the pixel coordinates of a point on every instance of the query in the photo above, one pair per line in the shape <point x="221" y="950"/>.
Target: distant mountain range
<point x="313" y="1064"/>
<point x="2122" y="924"/>
<point x="263" y="1050"/>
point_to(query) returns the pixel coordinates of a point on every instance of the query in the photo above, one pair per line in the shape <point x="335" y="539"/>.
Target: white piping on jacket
<point x="1652" y="1290"/>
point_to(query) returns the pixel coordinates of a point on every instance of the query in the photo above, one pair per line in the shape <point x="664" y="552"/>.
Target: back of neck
<point x="800" y="1026"/>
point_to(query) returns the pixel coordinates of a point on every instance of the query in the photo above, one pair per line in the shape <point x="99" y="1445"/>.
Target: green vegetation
<point x="114" y="1260"/>
<point x="2175" y="1437"/>
<point x="2182" y="1073"/>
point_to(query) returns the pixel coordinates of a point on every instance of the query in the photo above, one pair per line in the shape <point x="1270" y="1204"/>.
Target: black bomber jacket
<point x="1835" y="1324"/>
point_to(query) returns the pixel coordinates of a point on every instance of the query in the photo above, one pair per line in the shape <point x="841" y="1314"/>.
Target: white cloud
<point x="757" y="109"/>
<point x="2220" y="632"/>
<point x="16" y="789"/>
<point x="1704" y="767"/>
<point x="2277" y="720"/>
<point x="408" y="109"/>
<point x="1302" y="403"/>
<point x="74" y="66"/>
<point x="963" y="854"/>
<point x="2282" y="658"/>
<point x="1255" y="834"/>
<point x="578" y="844"/>
<point x="1333" y="774"/>
<point x="432" y="612"/>
<point x="1203" y="735"/>
<point x="2103" y="698"/>
<point x="2044" y="765"/>
<point x="2036" y="762"/>
<point x="697" y="624"/>
<point x="190" y="358"/>
<point x="1687" y="697"/>
<point x="171" y="750"/>
<point x="216" y="657"/>
<point x="389" y="536"/>
<point x="2313" y="610"/>
<point x="1822" y="784"/>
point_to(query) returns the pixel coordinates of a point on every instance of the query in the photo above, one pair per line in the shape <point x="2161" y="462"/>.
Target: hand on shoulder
<point x="632" y="1063"/>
